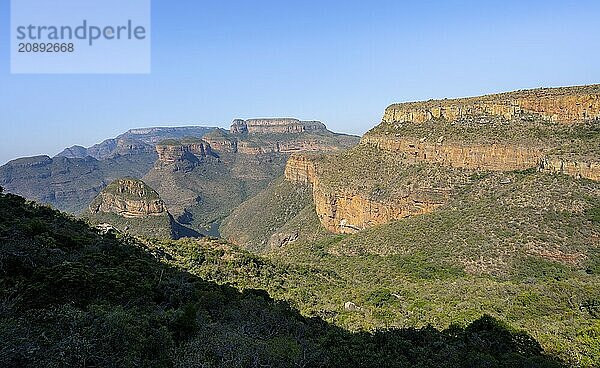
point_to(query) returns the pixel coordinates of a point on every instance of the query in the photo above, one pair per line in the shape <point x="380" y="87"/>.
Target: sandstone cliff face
<point x="130" y="198"/>
<point x="307" y="145"/>
<point x="563" y="105"/>
<point x="578" y="169"/>
<point x="349" y="211"/>
<point x="505" y="132"/>
<point x="222" y="145"/>
<point x="495" y="157"/>
<point x="276" y="126"/>
<point x="301" y="169"/>
<point x="179" y="151"/>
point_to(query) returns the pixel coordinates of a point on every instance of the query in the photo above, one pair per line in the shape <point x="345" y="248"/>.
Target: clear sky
<point x="341" y="62"/>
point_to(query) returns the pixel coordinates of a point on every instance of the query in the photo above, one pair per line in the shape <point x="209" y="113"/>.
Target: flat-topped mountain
<point x="203" y="180"/>
<point x="201" y="173"/>
<point x="423" y="153"/>
<point x="133" y="141"/>
<point x="567" y="105"/>
<point x="276" y="126"/>
<point x="69" y="184"/>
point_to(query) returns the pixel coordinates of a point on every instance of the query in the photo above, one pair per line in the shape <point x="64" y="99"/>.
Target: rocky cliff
<point x="192" y="149"/>
<point x="497" y="157"/>
<point x="348" y="208"/>
<point x="130" y="198"/>
<point x="277" y="135"/>
<point x="276" y="126"/>
<point x="129" y="205"/>
<point x="134" y="141"/>
<point x="570" y="105"/>
<point x="424" y="152"/>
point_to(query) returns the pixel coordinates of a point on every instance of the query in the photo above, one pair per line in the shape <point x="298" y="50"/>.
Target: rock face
<point x="348" y="211"/>
<point x="276" y="126"/>
<point x="68" y="184"/>
<point x="130" y="198"/>
<point x="134" y="141"/>
<point x="194" y="150"/>
<point x="571" y="105"/>
<point x="131" y="206"/>
<point x="278" y="135"/>
<point x="494" y="157"/>
<point x="578" y="169"/>
<point x="505" y="132"/>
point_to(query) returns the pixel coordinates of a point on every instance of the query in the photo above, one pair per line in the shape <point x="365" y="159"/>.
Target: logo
<point x="80" y="36"/>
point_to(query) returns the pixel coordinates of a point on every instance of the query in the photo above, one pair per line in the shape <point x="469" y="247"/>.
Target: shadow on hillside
<point x="71" y="297"/>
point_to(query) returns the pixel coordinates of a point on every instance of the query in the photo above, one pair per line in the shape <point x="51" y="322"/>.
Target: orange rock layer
<point x="346" y="212"/>
<point x="570" y="105"/>
<point x="495" y="157"/>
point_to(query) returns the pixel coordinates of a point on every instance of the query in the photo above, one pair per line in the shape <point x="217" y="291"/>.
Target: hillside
<point x="446" y="209"/>
<point x="201" y="173"/>
<point x="139" y="140"/>
<point x="203" y="180"/>
<point x="74" y="177"/>
<point x="72" y="297"/>
<point x="281" y="214"/>
<point x="129" y="205"/>
<point x="69" y="184"/>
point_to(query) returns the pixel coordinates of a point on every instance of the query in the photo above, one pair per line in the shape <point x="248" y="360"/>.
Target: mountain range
<point x="446" y="218"/>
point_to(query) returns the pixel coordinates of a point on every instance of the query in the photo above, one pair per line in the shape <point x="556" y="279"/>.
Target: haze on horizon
<point x="340" y="62"/>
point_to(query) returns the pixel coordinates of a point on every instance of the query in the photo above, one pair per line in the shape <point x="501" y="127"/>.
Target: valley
<point x="472" y="224"/>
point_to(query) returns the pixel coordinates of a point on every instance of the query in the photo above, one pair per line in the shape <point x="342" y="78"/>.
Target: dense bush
<point x="71" y="297"/>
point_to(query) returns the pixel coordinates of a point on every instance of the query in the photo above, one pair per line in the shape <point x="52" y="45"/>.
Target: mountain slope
<point x="279" y="215"/>
<point x="141" y="139"/>
<point x="74" y="177"/>
<point x="203" y="181"/>
<point x="131" y="206"/>
<point x="69" y="184"/>
<point x="71" y="297"/>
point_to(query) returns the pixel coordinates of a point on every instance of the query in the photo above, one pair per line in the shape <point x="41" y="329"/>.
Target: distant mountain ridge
<point x="132" y="140"/>
<point x="201" y="173"/>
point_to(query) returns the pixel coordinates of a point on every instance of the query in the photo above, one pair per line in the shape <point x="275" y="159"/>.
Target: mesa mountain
<point x="201" y="173"/>
<point x="450" y="207"/>
<point x="445" y="211"/>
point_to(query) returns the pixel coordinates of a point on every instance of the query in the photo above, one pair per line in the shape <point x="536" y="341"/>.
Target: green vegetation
<point x="383" y="175"/>
<point x="211" y="191"/>
<point x="131" y="188"/>
<point x="161" y="226"/>
<point x="280" y="214"/>
<point x="70" y="184"/>
<point x="521" y="246"/>
<point x="576" y="142"/>
<point x="72" y="297"/>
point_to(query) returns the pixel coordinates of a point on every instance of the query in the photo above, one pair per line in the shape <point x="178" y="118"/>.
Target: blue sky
<point x="341" y="62"/>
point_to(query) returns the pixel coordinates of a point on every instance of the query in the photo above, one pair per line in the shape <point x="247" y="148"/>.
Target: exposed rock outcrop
<point x="495" y="157"/>
<point x="130" y="198"/>
<point x="570" y="105"/>
<point x="134" y="141"/>
<point x="276" y="126"/>
<point x="578" y="169"/>
<point x="193" y="150"/>
<point x="505" y="132"/>
<point x="349" y="211"/>
<point x="129" y="205"/>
